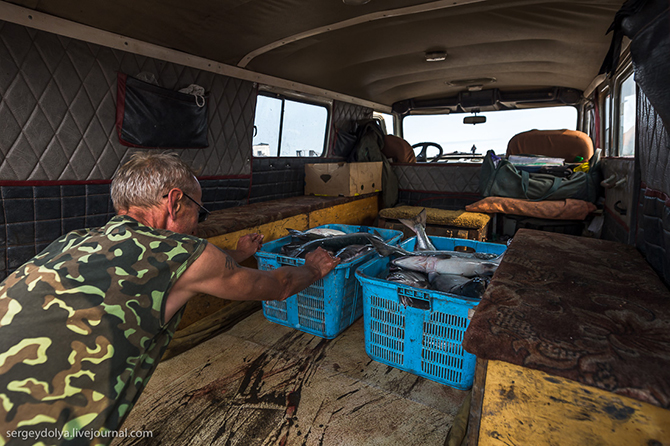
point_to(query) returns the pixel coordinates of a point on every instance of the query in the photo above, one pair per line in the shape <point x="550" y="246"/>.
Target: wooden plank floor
<point x="264" y="384"/>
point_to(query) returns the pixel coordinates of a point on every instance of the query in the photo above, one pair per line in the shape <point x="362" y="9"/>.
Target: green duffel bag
<point x="500" y="178"/>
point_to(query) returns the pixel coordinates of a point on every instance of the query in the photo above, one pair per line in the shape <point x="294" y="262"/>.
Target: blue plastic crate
<point x="425" y="336"/>
<point x="328" y="306"/>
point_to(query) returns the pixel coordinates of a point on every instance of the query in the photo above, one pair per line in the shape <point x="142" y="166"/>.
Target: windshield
<point x="458" y="138"/>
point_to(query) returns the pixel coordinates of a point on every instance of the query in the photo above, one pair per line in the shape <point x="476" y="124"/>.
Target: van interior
<point x="570" y="344"/>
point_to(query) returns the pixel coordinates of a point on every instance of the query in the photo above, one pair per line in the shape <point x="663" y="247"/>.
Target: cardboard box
<point x="346" y="179"/>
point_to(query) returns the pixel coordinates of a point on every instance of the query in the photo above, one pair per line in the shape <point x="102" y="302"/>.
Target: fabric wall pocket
<point x="149" y="116"/>
<point x="500" y="178"/>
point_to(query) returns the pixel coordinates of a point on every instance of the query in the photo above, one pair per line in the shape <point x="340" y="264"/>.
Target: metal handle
<point x="414" y="299"/>
<point x="611" y="182"/>
<point x="289" y="261"/>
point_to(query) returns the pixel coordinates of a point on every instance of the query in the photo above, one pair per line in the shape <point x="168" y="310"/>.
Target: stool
<point x="439" y="222"/>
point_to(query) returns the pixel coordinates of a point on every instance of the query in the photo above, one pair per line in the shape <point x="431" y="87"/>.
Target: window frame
<point x="609" y="98"/>
<point x="400" y="129"/>
<point x="605" y="104"/>
<point x="621" y="76"/>
<point x="284" y="96"/>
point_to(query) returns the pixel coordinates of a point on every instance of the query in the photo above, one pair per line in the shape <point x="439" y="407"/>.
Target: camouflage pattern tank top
<point x="82" y="329"/>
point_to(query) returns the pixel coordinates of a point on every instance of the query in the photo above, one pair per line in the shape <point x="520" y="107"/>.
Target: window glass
<point x="283" y="127"/>
<point x="266" y="126"/>
<point x="626" y="141"/>
<point x="304" y="129"/>
<point x="457" y="138"/>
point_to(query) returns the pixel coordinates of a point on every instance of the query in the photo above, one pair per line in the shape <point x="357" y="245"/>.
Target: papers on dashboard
<point x="522" y="160"/>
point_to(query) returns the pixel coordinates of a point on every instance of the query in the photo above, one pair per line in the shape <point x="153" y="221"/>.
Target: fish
<point x="472" y="288"/>
<point x="299" y="238"/>
<point x="446" y="282"/>
<point x="335" y="243"/>
<point x="409" y="278"/>
<point x="459" y="285"/>
<point x="290" y="248"/>
<point x="303" y="236"/>
<point x="385" y="250"/>
<point x="326" y="232"/>
<point x="447" y="265"/>
<point x="418" y="225"/>
<point x="353" y="252"/>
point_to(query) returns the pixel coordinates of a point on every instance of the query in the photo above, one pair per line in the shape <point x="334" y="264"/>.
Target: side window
<point x="285" y="127"/>
<point x="386" y="121"/>
<point x="626" y="124"/>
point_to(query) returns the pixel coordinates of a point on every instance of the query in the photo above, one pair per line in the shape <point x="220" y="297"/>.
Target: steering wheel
<point x="421" y="157"/>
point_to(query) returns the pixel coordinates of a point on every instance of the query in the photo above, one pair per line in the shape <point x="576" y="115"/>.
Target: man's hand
<point x="249" y="244"/>
<point x="321" y="261"/>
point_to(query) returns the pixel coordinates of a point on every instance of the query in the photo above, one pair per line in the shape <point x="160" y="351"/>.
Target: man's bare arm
<point x="247" y="246"/>
<point x="217" y="274"/>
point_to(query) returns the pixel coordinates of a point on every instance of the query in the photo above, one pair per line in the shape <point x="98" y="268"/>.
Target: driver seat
<point x="398" y="150"/>
<point x="567" y="144"/>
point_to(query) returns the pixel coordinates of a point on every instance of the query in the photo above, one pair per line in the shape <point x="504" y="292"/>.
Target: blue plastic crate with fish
<point x="424" y="337"/>
<point x="330" y="305"/>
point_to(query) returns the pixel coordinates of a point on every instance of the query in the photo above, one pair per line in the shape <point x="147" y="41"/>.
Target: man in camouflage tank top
<point x="84" y="323"/>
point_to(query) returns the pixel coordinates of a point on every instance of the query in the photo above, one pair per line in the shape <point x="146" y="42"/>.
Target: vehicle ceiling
<point x="373" y="51"/>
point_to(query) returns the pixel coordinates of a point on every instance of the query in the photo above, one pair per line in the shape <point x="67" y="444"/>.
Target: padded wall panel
<point x="31" y="217"/>
<point x="276" y="178"/>
<point x="653" y="146"/>
<point x="653" y="223"/>
<point x="450" y="202"/>
<point x="224" y="193"/>
<point x="58" y="108"/>
<point x="619" y="201"/>
<point x="345" y="115"/>
<point x="452" y="178"/>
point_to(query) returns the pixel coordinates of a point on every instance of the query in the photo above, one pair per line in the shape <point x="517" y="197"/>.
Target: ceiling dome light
<point x="435" y="56"/>
<point x="355" y="2"/>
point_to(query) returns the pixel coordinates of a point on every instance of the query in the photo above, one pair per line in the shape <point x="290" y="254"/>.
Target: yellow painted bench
<point x="516" y="405"/>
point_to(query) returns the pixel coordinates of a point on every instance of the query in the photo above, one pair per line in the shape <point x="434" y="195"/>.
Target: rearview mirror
<point x="474" y="120"/>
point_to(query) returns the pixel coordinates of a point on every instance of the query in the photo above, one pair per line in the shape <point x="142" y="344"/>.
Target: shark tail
<point x="418" y="220"/>
<point x="385" y="250"/>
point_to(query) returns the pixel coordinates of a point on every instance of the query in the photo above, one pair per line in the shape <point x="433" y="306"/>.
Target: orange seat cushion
<point x="566" y="144"/>
<point x="398" y="150"/>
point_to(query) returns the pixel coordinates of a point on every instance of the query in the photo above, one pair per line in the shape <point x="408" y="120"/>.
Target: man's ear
<point x="174" y="203"/>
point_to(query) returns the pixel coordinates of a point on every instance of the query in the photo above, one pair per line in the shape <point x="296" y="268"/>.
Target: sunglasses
<point x="203" y="213"/>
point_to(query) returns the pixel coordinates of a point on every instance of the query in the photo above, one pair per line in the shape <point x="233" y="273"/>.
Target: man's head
<point x="145" y="179"/>
<point x="159" y="190"/>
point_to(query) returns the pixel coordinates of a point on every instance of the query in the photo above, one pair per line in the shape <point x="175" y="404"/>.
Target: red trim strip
<point x="225" y="177"/>
<point x="617" y="218"/>
<point x="657" y="194"/>
<point x="452" y="194"/>
<point x="77" y="182"/>
<point x="51" y="183"/>
<point x="649" y="192"/>
<point x="426" y="165"/>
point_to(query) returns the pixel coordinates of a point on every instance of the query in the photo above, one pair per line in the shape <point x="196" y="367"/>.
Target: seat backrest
<point x="398" y="150"/>
<point x="566" y="144"/>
